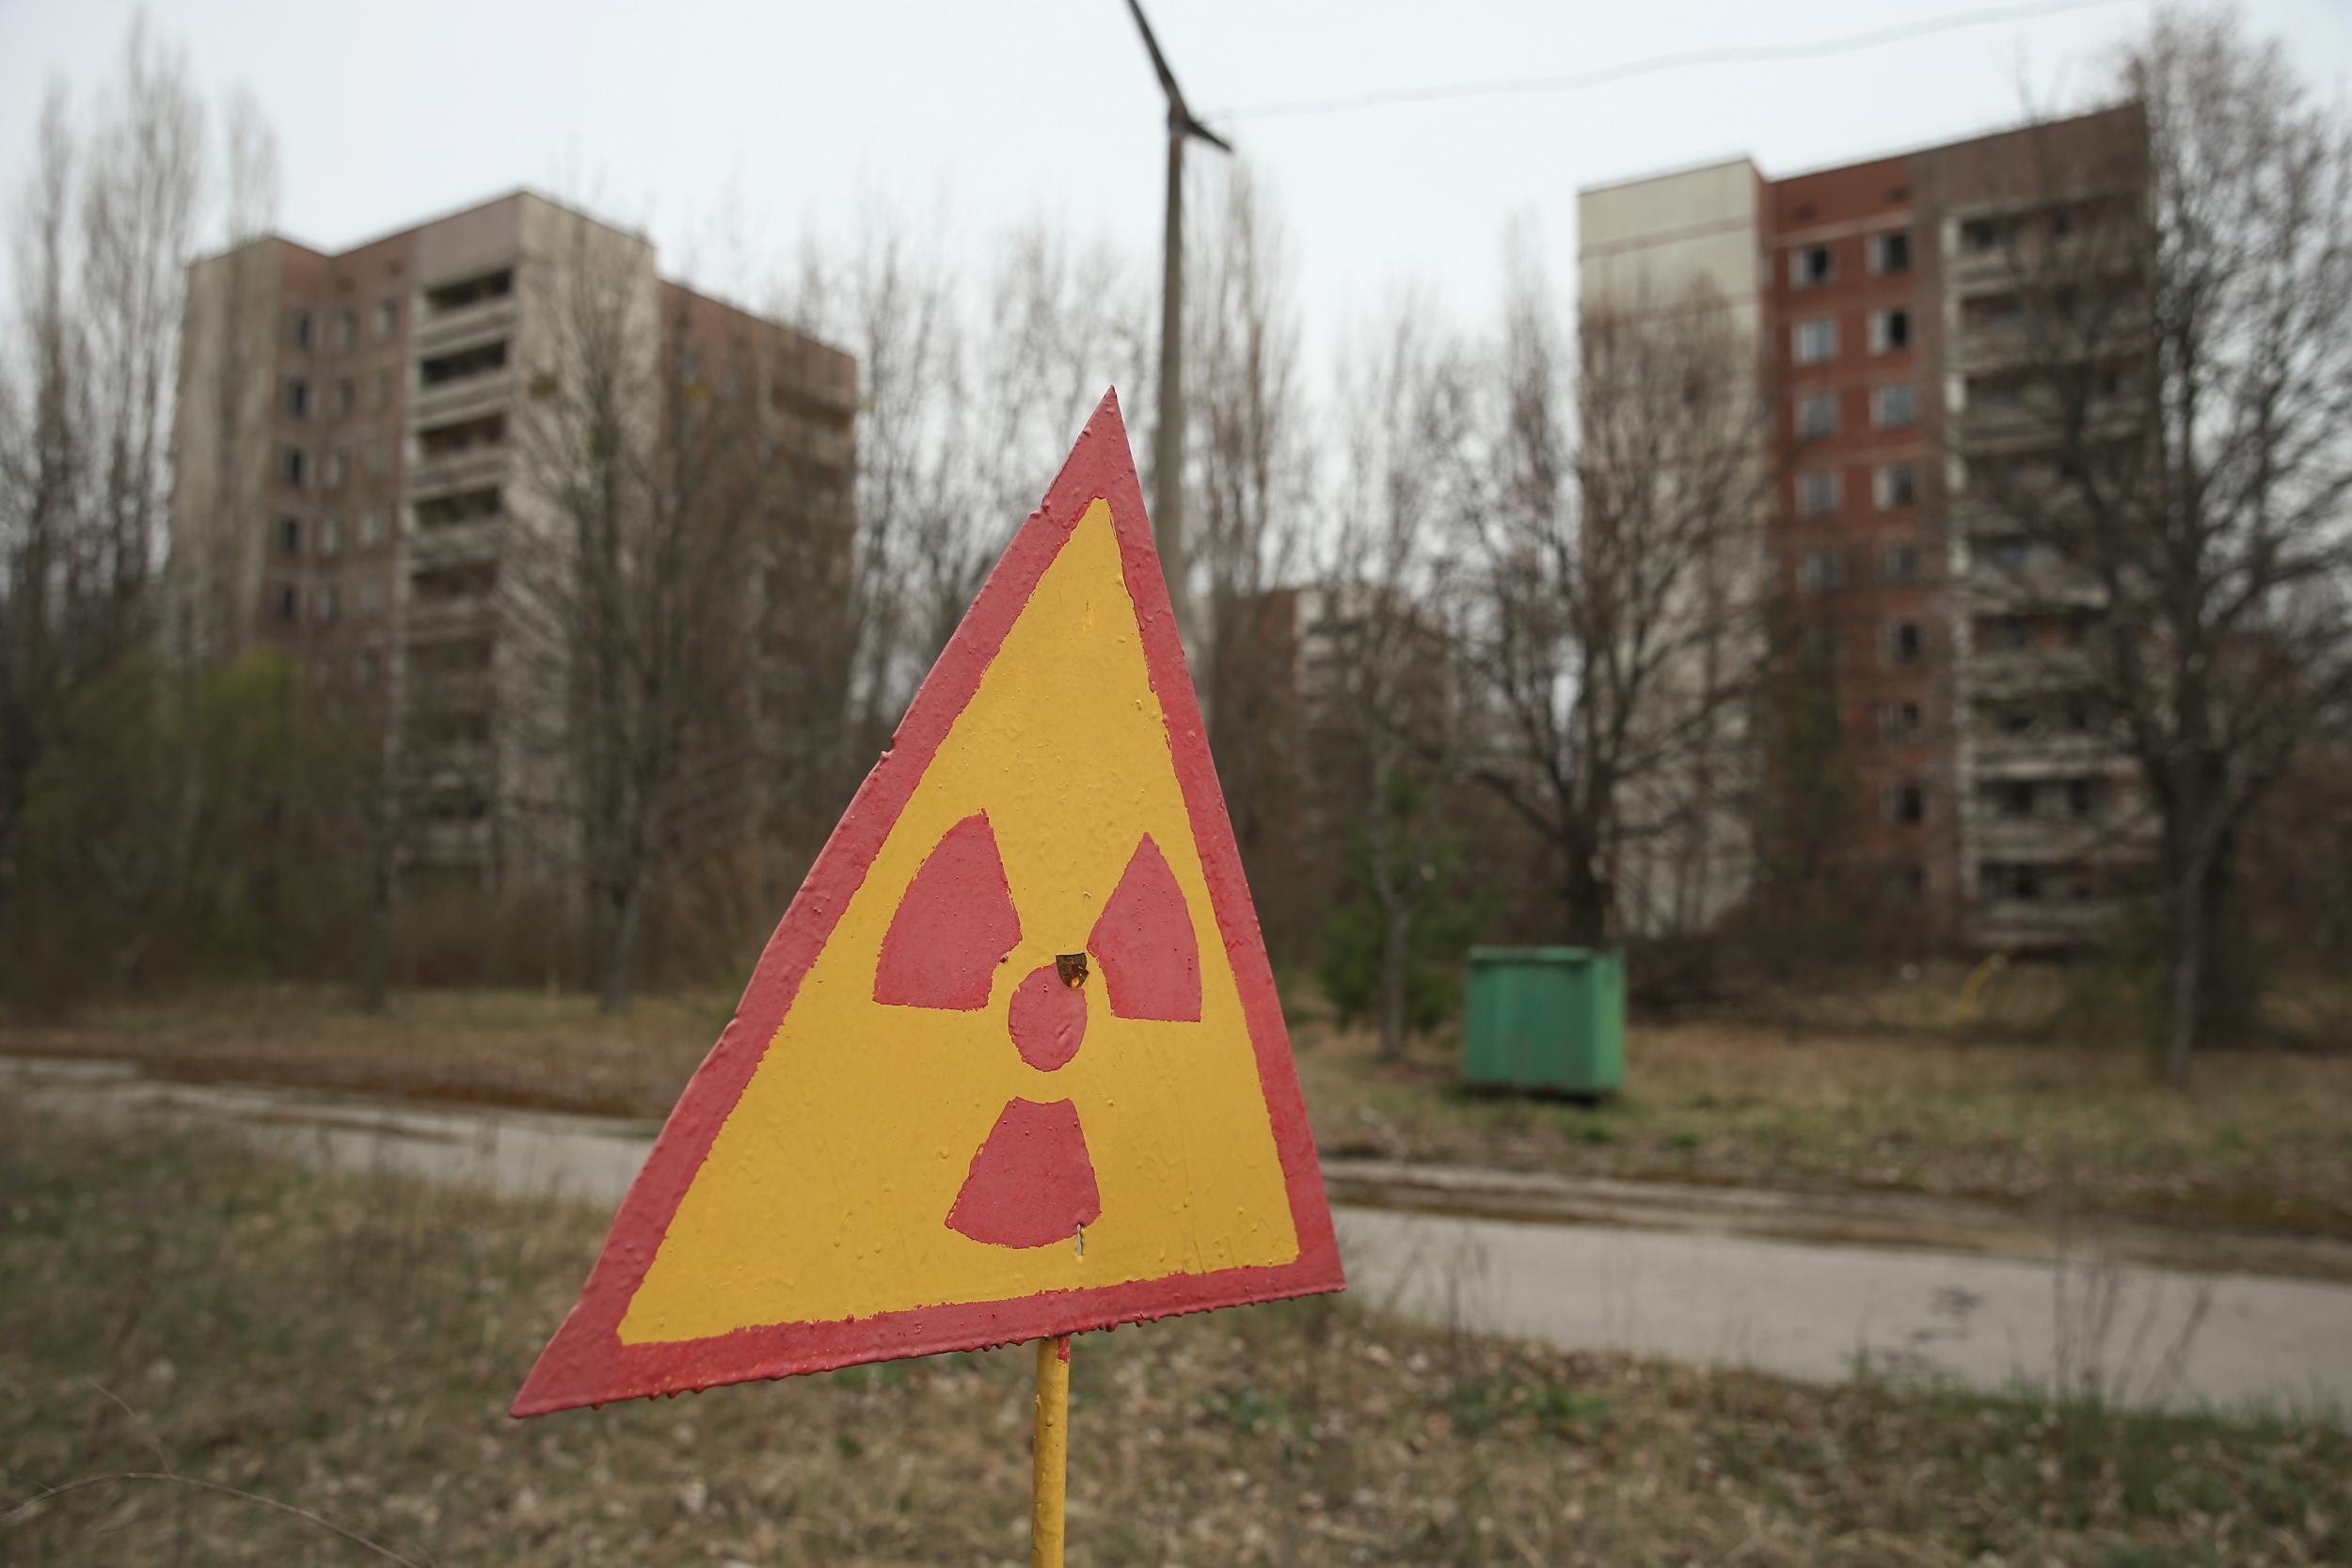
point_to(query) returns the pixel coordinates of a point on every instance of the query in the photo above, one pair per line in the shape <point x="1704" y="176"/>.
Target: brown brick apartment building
<point x="1881" y="297"/>
<point x="352" y="481"/>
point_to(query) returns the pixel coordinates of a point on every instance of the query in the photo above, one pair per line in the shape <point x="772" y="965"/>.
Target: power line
<point x="1729" y="55"/>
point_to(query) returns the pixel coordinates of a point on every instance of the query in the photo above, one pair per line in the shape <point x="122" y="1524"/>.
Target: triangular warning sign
<point x="1012" y="1064"/>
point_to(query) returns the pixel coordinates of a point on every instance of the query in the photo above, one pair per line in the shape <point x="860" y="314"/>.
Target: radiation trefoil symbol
<point x="1031" y="1181"/>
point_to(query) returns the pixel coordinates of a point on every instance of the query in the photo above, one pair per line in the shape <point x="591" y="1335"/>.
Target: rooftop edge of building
<point x="1955" y="144"/>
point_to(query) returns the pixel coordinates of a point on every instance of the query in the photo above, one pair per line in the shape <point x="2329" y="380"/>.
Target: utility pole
<point x="1168" y="439"/>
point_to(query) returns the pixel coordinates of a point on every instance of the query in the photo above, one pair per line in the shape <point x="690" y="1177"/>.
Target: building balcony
<point x="2064" y="755"/>
<point x="2038" y="584"/>
<point x="447" y="544"/>
<point x="2042" y="840"/>
<point x="2011" y="924"/>
<point x="438" y="331"/>
<point x="447" y="692"/>
<point x="437" y="616"/>
<point x="485" y="393"/>
<point x="466" y="468"/>
<point x="2028" y="670"/>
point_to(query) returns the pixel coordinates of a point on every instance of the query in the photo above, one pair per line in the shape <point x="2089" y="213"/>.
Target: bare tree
<point x="2176" y="435"/>
<point x="1253" y="486"/>
<point x="650" y="448"/>
<point x="1617" y="580"/>
<point x="1378" y="655"/>
<point x="85" y="394"/>
<point x="974" y="381"/>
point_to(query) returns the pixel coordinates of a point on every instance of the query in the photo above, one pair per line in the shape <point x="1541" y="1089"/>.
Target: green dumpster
<point x="1545" y="1018"/>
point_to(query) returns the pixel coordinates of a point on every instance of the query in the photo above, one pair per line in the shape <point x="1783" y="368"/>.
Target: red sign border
<point x="586" y="1363"/>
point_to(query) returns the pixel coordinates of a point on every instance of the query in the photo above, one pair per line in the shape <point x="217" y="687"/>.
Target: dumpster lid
<point x="1532" y="954"/>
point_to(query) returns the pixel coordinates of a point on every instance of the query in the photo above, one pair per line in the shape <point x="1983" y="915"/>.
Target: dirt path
<point x="1630" y="1270"/>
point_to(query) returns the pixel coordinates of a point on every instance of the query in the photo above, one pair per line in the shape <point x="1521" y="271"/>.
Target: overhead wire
<point x="1656" y="64"/>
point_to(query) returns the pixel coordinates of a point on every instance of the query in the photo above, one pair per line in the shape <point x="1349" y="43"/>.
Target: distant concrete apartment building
<point x="1883" y="298"/>
<point x="353" y="483"/>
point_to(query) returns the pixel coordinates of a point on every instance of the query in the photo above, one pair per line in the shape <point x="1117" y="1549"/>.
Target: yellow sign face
<point x="850" y="1145"/>
<point x="1012" y="1066"/>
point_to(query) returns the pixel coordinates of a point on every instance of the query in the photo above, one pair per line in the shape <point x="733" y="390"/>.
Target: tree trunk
<point x="1396" y="952"/>
<point x="620" y="955"/>
<point x="376" y="958"/>
<point x="2184" y="961"/>
<point x="1585" y="891"/>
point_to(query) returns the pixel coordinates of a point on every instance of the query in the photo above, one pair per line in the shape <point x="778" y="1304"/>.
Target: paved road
<point x="1802" y="1310"/>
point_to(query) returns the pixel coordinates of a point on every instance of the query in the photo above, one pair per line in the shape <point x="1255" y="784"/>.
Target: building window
<point x="298" y="397"/>
<point x="290" y="535"/>
<point x="1895" y="407"/>
<point x="1817" y="416"/>
<point x="372" y="527"/>
<point x="293" y="468"/>
<point x="1901" y="565"/>
<point x="1808" y="267"/>
<point x="346" y="329"/>
<point x="1817" y="493"/>
<point x="371" y="598"/>
<point x="1895" y="484"/>
<point x="338" y="468"/>
<point x="346" y="398"/>
<point x="386" y="317"/>
<point x="370" y="665"/>
<point x="1816" y="340"/>
<point x="1890" y="252"/>
<point x="1890" y="330"/>
<point x="1819" y="572"/>
<point x="298" y="329"/>
<point x="379" y="391"/>
<point x="1898" y="722"/>
<point x="2082" y="797"/>
<point x="289" y="602"/>
<point x="325" y="602"/>
<point x="1903" y="643"/>
<point x="330" y="535"/>
<point x="379" y="457"/>
<point x="1906" y="884"/>
<point x="1905" y="804"/>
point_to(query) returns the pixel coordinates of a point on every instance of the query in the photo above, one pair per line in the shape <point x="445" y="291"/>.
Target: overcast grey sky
<point x="798" y="115"/>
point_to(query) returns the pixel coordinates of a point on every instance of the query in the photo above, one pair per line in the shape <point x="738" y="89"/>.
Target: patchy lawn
<point x="2263" y="1140"/>
<point x="175" y="1305"/>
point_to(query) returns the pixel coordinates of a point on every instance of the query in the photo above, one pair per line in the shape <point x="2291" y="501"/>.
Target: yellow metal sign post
<point x="1051" y="1483"/>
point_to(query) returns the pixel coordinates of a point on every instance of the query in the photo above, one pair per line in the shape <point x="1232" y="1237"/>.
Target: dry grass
<point x="549" y="1050"/>
<point x="173" y="1304"/>
<point x="1851" y="1099"/>
<point x="2265" y="1140"/>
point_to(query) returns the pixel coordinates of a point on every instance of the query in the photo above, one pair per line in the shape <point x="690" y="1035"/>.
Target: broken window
<point x="1890" y="330"/>
<point x="1890" y="252"/>
<point x="1809" y="266"/>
